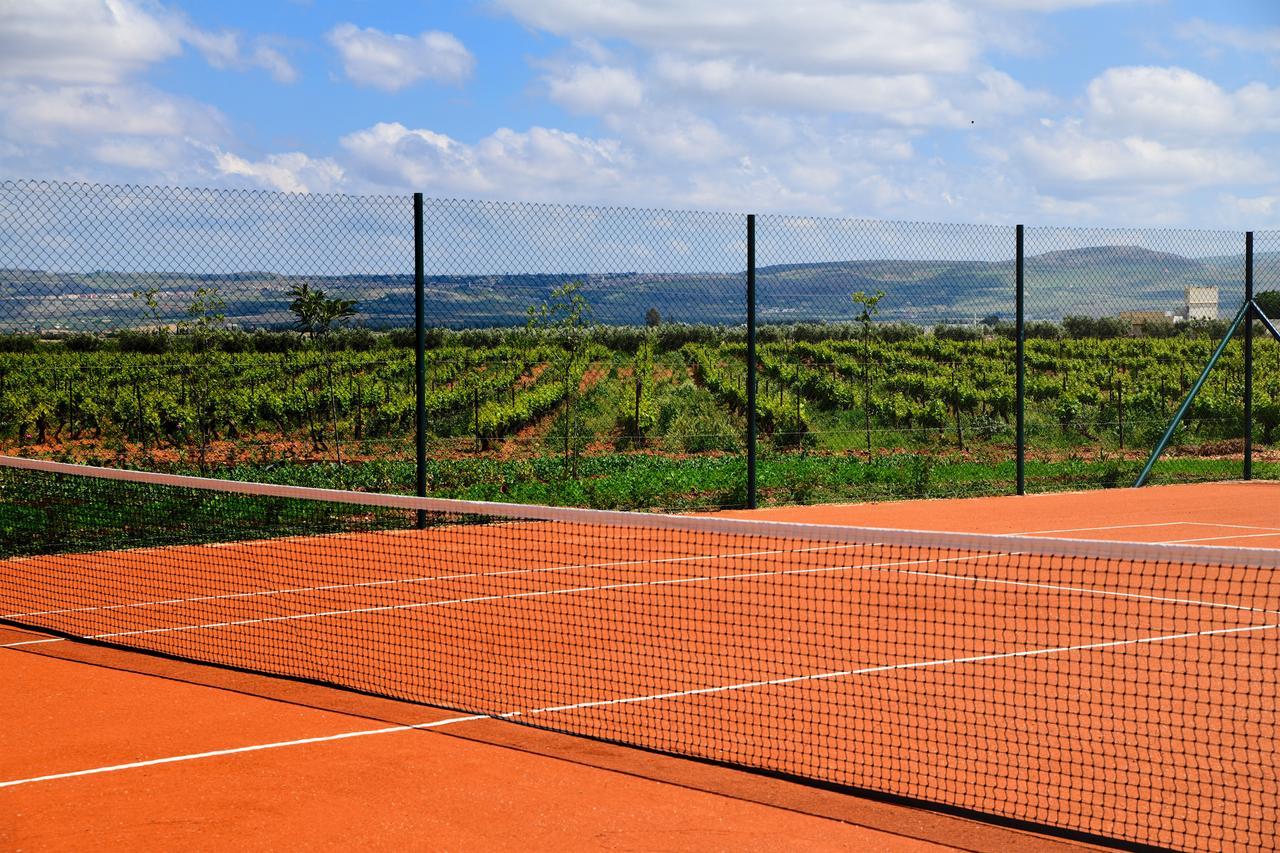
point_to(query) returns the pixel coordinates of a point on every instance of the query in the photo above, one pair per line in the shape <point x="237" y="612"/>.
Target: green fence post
<point x="420" y="358"/>
<point x="1020" y="357"/>
<point x="1248" y="356"/>
<point x="751" y="361"/>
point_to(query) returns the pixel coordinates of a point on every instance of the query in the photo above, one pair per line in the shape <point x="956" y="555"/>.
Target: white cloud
<point x="293" y="172"/>
<point x="100" y="42"/>
<point x="1067" y="209"/>
<point x="907" y="98"/>
<point x="771" y="130"/>
<point x="138" y="154"/>
<point x="82" y="41"/>
<point x="392" y="62"/>
<point x="1255" y="210"/>
<point x="595" y="89"/>
<point x="672" y="135"/>
<point x="69" y="103"/>
<point x="1151" y="144"/>
<point x="1178" y="101"/>
<point x="538" y="164"/>
<point x="1258" y="107"/>
<point x="47" y="114"/>
<point x="749" y="186"/>
<point x="834" y="107"/>
<point x="223" y="50"/>
<point x="816" y="36"/>
<point x="540" y="156"/>
<point x="390" y="154"/>
<point x="1047" y="5"/>
<point x="136" y="131"/>
<point x="273" y="61"/>
<point x="815" y="177"/>
<point x="997" y="93"/>
<point x="1216" y="36"/>
<point x="904" y="99"/>
<point x="674" y="160"/>
<point x="1071" y="161"/>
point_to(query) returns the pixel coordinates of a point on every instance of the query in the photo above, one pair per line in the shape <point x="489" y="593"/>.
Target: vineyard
<point x="915" y="412"/>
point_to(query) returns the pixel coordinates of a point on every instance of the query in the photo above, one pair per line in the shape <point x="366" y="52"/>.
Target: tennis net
<point x="1105" y="689"/>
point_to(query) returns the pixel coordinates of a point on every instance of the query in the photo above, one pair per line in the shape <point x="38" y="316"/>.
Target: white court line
<point x="746" y="685"/>
<point x="1151" y="524"/>
<point x="133" y="765"/>
<point x="1087" y="529"/>
<point x="1237" y="526"/>
<point x="888" y="568"/>
<point x="654" y="697"/>
<point x="566" y="567"/>
<point x="425" y="579"/>
<point x="1233" y="536"/>
<point x="539" y="593"/>
<point x="561" y="568"/>
<point x="34" y="642"/>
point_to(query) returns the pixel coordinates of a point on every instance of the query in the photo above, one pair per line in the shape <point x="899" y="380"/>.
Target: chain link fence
<point x="1266" y="370"/>
<point x="202" y="329"/>
<point x="1121" y="324"/>
<point x="598" y="356"/>
<point x="609" y="386"/>
<point x="886" y="358"/>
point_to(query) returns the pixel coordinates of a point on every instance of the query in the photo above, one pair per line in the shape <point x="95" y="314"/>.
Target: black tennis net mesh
<point x="1117" y="690"/>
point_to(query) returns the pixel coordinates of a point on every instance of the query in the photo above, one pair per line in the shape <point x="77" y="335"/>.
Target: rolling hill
<point x="1094" y="281"/>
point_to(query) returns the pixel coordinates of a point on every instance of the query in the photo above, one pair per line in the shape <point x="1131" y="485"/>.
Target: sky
<point x="1071" y="112"/>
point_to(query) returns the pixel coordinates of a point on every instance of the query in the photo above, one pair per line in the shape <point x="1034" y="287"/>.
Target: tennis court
<point x="1066" y="674"/>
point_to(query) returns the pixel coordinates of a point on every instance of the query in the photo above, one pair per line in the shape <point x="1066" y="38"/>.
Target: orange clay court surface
<point x="102" y="747"/>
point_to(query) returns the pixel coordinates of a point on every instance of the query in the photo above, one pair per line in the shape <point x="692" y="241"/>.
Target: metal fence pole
<point x="420" y="357"/>
<point x="1020" y="358"/>
<point x="751" y="361"/>
<point x="1248" y="356"/>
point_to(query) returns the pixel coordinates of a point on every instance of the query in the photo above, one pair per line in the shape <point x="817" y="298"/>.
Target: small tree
<point x="565" y="318"/>
<point x="206" y="312"/>
<point x="156" y="339"/>
<point x="652" y="318"/>
<point x="317" y="313"/>
<point x="868" y="305"/>
<point x="643" y="370"/>
<point x="149" y="297"/>
<point x="207" y="308"/>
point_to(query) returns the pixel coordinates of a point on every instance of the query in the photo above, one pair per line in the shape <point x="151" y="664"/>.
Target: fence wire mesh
<point x="1121" y="324"/>
<point x="1266" y="368"/>
<point x="597" y="356"/>
<point x="886" y="357"/>
<point x="182" y="328"/>
<point x="107" y="259"/>
<point x="615" y="318"/>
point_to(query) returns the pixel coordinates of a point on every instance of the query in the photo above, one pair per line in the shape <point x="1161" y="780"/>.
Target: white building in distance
<point x="1202" y="303"/>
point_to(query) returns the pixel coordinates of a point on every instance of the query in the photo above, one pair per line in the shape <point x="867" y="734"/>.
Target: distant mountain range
<point x="1094" y="281"/>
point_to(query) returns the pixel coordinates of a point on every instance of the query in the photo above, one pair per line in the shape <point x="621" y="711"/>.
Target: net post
<point x="420" y="359"/>
<point x="1020" y="342"/>
<point x="1248" y="356"/>
<point x="751" y="361"/>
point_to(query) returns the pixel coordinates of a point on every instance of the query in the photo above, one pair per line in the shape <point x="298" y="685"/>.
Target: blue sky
<point x="1117" y="112"/>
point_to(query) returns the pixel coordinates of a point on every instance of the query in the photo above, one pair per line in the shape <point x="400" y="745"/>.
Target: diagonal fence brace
<point x="1245" y="309"/>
